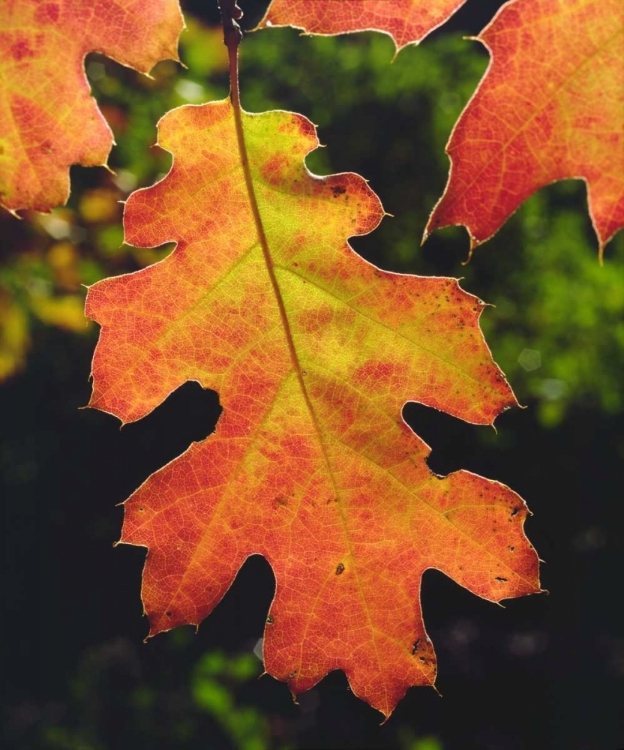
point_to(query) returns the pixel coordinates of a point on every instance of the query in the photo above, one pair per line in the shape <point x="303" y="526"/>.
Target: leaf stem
<point x="232" y="36"/>
<point x="230" y="13"/>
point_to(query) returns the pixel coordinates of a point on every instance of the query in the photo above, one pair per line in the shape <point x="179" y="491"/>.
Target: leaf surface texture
<point x="48" y="120"/>
<point x="406" y="21"/>
<point x="313" y="352"/>
<point x="550" y="107"/>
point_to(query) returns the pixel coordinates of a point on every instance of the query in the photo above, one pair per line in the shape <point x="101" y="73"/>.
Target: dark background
<point x="543" y="672"/>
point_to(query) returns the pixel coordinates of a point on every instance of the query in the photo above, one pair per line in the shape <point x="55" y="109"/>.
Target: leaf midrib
<point x="253" y="202"/>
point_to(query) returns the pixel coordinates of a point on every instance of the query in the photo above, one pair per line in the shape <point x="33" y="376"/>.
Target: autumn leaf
<point x="313" y="352"/>
<point x="550" y="107"/>
<point x="406" y="21"/>
<point x="48" y="120"/>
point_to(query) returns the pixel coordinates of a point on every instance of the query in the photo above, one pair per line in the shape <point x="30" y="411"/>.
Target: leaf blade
<point x="405" y="21"/>
<point x="549" y="107"/>
<point x="48" y="120"/>
<point x="311" y="464"/>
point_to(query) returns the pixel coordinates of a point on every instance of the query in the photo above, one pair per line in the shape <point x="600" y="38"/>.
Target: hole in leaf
<point x="188" y="415"/>
<point x="454" y="443"/>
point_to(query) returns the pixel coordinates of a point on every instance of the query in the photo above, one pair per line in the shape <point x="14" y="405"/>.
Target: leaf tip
<point x="473" y="244"/>
<point x="13" y="212"/>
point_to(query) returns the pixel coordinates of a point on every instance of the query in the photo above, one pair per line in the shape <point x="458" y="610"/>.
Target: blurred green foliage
<point x="214" y="676"/>
<point x="562" y="304"/>
<point x="164" y="719"/>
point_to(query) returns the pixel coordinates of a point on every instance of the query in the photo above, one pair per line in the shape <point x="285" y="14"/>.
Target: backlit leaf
<point x="406" y="21"/>
<point x="550" y="107"/>
<point x="313" y="352"/>
<point x="48" y="120"/>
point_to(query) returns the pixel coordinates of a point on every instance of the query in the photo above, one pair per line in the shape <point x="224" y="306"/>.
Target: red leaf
<point x="550" y="107"/>
<point x="406" y="21"/>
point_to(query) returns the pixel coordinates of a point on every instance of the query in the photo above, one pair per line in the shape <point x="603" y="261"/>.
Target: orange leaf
<point x="406" y="21"/>
<point x="550" y="107"/>
<point x="313" y="352"/>
<point x="48" y="120"/>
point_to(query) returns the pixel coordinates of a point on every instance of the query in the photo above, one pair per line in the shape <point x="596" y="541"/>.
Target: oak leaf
<point x="313" y="352"/>
<point x="48" y="120"/>
<point x="549" y="107"/>
<point x="406" y="21"/>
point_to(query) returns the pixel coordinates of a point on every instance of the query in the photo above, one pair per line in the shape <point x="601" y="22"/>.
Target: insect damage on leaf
<point x="313" y="352"/>
<point x="550" y="107"/>
<point x="405" y="21"/>
<point x="48" y="120"/>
